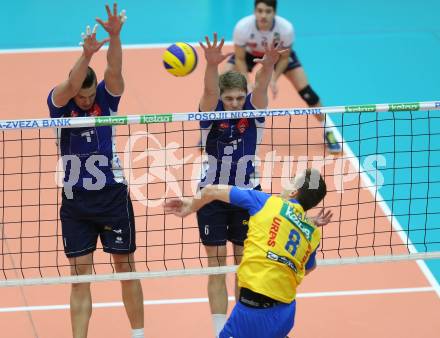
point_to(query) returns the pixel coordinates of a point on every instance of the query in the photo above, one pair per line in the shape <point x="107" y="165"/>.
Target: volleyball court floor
<point x="374" y="300"/>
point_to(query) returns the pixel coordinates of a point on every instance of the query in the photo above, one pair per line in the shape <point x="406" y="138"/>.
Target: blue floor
<point x="354" y="52"/>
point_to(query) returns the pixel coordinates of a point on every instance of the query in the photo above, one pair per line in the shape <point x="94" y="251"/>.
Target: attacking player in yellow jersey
<point x="279" y="250"/>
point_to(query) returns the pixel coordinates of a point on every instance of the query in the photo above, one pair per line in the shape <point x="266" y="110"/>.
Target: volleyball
<point x="180" y="59"/>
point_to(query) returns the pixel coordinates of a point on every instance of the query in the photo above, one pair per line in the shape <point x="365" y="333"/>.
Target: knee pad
<point x="309" y="95"/>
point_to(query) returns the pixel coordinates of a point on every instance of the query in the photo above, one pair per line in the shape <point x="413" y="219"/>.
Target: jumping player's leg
<point x="79" y="240"/>
<point x="132" y="295"/>
<point x="217" y="291"/>
<point x="297" y="77"/>
<point x="118" y="237"/>
<point x="80" y="296"/>
<point x="212" y="220"/>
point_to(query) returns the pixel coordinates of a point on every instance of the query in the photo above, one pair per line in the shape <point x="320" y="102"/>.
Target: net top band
<point x="79" y="122"/>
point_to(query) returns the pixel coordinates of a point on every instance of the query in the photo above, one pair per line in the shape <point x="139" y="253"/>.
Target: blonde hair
<point x="232" y="80"/>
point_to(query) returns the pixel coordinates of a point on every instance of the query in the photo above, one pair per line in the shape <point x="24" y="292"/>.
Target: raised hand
<point x="272" y="54"/>
<point x="274" y="88"/>
<point x="114" y="22"/>
<point x="213" y="51"/>
<point x="178" y="206"/>
<point x="90" y="44"/>
<point x="322" y="218"/>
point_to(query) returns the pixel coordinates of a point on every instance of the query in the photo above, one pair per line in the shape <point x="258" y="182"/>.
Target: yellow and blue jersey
<point x="281" y="244"/>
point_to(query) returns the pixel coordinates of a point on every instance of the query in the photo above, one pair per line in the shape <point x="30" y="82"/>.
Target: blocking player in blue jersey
<point x="230" y="146"/>
<point x="96" y="200"/>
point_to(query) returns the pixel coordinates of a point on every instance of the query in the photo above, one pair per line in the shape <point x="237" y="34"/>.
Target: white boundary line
<point x="384" y="206"/>
<point x="230" y="298"/>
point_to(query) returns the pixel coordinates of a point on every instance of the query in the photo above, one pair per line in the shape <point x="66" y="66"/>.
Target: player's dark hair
<point x="232" y="80"/>
<point x="90" y="79"/>
<point x="270" y="3"/>
<point x="312" y="191"/>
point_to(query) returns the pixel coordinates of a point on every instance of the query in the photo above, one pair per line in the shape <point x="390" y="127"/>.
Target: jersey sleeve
<point x="251" y="200"/>
<point x="111" y="99"/>
<point x="248" y="105"/>
<point x="239" y="35"/>
<point x="288" y="36"/>
<point x="311" y="261"/>
<point x="55" y="111"/>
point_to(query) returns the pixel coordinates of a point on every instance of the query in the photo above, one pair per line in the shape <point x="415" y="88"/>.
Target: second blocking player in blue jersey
<point x="231" y="146"/>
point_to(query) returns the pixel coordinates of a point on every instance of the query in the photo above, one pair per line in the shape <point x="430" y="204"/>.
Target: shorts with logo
<point x="293" y="61"/>
<point x="106" y="213"/>
<point x="274" y="322"/>
<point x="220" y="222"/>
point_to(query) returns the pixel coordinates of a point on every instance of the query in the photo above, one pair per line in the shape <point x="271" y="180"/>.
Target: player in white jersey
<point x="251" y="35"/>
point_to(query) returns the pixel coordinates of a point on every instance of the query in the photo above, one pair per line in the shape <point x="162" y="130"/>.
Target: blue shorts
<point x="220" y="222"/>
<point x="107" y="213"/>
<point x="274" y="322"/>
<point x="293" y="61"/>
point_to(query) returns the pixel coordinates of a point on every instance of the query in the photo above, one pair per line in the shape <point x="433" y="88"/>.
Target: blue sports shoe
<point x="332" y="143"/>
